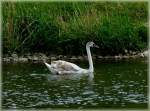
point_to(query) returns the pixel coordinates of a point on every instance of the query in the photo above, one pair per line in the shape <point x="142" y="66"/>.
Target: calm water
<point x="116" y="84"/>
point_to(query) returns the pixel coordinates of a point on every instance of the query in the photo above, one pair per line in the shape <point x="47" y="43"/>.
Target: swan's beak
<point x="95" y="46"/>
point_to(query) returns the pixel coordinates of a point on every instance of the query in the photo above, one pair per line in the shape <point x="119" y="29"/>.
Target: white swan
<point x="64" y="67"/>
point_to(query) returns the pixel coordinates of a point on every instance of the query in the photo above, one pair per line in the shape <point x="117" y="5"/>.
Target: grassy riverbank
<point x="65" y="27"/>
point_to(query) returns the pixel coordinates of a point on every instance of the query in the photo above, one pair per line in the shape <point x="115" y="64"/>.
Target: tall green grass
<point x="65" y="27"/>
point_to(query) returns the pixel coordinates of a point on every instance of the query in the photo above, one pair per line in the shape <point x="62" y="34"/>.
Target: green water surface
<point x="116" y="85"/>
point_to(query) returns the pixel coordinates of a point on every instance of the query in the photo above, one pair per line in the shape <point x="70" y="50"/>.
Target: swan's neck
<point x="91" y="69"/>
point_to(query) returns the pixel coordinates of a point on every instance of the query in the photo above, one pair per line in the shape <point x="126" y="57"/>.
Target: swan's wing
<point x="64" y="66"/>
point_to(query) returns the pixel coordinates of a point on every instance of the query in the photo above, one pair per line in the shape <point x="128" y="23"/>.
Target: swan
<point x="64" y="67"/>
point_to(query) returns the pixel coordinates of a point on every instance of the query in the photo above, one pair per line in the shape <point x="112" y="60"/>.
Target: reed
<point x="65" y="27"/>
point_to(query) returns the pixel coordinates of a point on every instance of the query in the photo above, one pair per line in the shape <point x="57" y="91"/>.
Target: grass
<point x="65" y="27"/>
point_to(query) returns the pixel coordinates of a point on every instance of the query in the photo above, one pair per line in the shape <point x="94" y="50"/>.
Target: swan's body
<point x="64" y="67"/>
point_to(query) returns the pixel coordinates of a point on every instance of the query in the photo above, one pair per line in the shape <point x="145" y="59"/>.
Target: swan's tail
<point x="50" y="68"/>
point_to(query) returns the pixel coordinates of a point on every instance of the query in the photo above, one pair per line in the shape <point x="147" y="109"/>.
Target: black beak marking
<point x="96" y="46"/>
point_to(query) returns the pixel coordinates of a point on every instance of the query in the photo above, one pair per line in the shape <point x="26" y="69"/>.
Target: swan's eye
<point x="91" y="43"/>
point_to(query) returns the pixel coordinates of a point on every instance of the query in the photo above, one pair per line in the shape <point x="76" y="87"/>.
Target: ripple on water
<point x="135" y="98"/>
<point x="88" y="92"/>
<point x="30" y="89"/>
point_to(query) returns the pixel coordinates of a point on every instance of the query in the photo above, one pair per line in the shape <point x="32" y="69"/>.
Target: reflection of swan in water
<point x="74" y="81"/>
<point x="63" y="67"/>
<point x="70" y="77"/>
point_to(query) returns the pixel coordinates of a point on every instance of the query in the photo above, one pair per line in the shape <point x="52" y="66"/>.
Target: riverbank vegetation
<point x="63" y="28"/>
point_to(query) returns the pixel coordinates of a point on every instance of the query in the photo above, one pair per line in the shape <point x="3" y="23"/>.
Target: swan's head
<point x="92" y="44"/>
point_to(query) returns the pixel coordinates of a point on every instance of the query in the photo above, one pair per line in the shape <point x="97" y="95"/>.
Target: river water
<point x="121" y="84"/>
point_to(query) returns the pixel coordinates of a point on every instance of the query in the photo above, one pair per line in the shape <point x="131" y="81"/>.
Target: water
<point x="116" y="85"/>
